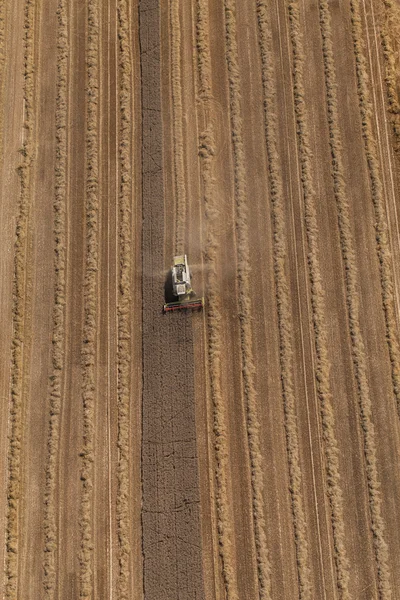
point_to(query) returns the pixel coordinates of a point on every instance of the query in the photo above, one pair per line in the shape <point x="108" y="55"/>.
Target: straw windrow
<point x="177" y="128"/>
<point x="381" y="226"/>
<point x="58" y="335"/>
<point x="213" y="310"/>
<point x="124" y="307"/>
<point x="20" y="311"/>
<point x="89" y="347"/>
<point x="244" y="287"/>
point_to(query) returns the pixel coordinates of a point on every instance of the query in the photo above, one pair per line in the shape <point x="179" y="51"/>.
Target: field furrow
<point x="89" y="346"/>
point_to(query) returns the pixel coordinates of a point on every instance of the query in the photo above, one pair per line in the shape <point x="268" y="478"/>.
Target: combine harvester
<point x="182" y="288"/>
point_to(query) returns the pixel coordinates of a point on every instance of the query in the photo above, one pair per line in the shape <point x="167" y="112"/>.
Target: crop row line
<point x="89" y="346"/>
<point x="124" y="299"/>
<point x="58" y="334"/>
<point x="243" y="276"/>
<point x="381" y="226"/>
<point x="20" y="308"/>
<point x="213" y="310"/>
<point x="177" y="127"/>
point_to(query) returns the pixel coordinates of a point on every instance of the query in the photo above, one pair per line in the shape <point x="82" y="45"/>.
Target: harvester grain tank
<point x="182" y="287"/>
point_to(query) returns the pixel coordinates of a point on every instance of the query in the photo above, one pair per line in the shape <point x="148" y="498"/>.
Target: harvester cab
<point x="182" y="287"/>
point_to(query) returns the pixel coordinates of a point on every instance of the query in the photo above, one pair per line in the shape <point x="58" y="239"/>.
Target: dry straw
<point x="58" y="335"/>
<point x="90" y="298"/>
<point x="390" y="35"/>
<point x="381" y="549"/>
<point x="20" y="309"/>
<point x="177" y="127"/>
<point x="285" y="322"/>
<point x="346" y="238"/>
<point x="381" y="226"/>
<point x="244" y="288"/>
<point x="124" y="299"/>
<point x="2" y="68"/>
<point x="213" y="311"/>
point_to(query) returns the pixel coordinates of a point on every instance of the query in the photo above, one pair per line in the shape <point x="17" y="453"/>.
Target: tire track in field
<point x="58" y="336"/>
<point x="377" y="523"/>
<point x="347" y="238"/>
<point x="283" y="303"/>
<point x="89" y="346"/>
<point x="177" y="128"/>
<point x="381" y="226"/>
<point x="213" y="308"/>
<point x="243" y="277"/>
<point x="21" y="302"/>
<point x="124" y="300"/>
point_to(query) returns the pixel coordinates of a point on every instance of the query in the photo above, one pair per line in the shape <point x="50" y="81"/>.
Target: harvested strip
<point x="283" y="303"/>
<point x="381" y="549"/>
<point x="58" y="336"/>
<point x="381" y="226"/>
<point x="177" y="126"/>
<point x="243" y="275"/>
<point x="90" y="299"/>
<point x="214" y="317"/>
<point x="124" y="301"/>
<point x="20" y="309"/>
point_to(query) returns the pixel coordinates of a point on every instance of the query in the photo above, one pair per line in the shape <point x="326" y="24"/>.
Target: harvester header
<point x="183" y="294"/>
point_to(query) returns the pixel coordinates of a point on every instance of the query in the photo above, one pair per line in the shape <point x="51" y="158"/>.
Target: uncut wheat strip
<point x="90" y="298"/>
<point x="58" y="334"/>
<point x="20" y="309"/>
<point x="244" y="295"/>
<point x="213" y="312"/>
<point x="381" y="226"/>
<point x="124" y="299"/>
<point x="177" y="127"/>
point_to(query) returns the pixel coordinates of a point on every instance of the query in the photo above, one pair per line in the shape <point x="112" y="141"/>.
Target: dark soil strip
<point x="170" y="481"/>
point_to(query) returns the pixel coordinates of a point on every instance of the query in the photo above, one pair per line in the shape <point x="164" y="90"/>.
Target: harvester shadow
<point x="168" y="290"/>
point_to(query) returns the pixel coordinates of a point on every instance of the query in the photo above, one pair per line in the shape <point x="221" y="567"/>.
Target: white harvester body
<point x="181" y="276"/>
<point x="182" y="287"/>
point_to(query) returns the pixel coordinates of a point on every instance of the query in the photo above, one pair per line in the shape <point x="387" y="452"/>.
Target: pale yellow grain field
<point x="250" y="451"/>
